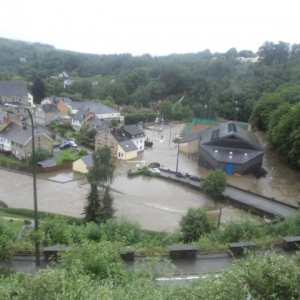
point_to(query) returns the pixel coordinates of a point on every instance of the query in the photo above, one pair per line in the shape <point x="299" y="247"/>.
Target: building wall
<point x="105" y="138"/>
<point x="80" y="166"/>
<point x="25" y="151"/>
<point x="207" y="161"/>
<point x="21" y="100"/>
<point x="63" y="108"/>
<point x="190" y="147"/>
<point x="126" y="155"/>
<point x="140" y="143"/>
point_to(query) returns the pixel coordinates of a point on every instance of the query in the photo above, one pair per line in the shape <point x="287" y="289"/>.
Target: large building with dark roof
<point x="230" y="148"/>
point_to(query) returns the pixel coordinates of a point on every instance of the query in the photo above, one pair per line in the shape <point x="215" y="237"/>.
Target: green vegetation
<point x="195" y="224"/>
<point x="40" y="154"/>
<point x="214" y="185"/>
<point x="100" y="207"/>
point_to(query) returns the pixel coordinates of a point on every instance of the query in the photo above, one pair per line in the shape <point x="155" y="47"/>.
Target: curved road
<point x="244" y="197"/>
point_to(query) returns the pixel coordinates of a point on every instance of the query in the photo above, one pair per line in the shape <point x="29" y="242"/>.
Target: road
<point x="250" y="199"/>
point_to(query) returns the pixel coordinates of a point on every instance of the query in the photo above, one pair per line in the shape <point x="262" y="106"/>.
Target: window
<point x="13" y="143"/>
<point x="21" y="146"/>
<point x="141" y="141"/>
<point x="39" y="139"/>
<point x="141" y="147"/>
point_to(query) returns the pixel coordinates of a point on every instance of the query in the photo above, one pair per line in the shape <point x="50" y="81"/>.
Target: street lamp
<point x="237" y="112"/>
<point x="210" y="109"/>
<point x="36" y="225"/>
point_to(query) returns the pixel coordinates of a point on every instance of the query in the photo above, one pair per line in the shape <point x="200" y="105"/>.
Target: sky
<point x="155" y="27"/>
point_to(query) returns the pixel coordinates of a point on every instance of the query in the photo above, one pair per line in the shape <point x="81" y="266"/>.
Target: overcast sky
<point x="156" y="27"/>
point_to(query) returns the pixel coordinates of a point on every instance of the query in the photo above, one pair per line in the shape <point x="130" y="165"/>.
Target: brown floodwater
<point x="156" y="204"/>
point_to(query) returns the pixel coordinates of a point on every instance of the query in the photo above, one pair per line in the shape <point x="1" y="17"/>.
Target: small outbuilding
<point x="83" y="164"/>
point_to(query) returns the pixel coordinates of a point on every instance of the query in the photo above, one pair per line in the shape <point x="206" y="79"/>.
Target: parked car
<point x="23" y="118"/>
<point x="181" y="174"/>
<point x="65" y="145"/>
<point x="73" y="144"/>
<point x="195" y="177"/>
<point x="155" y="170"/>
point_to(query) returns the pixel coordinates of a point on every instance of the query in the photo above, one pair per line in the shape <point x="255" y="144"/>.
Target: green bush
<point x="3" y="204"/>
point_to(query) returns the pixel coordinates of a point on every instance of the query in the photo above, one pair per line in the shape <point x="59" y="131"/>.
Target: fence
<point x="202" y="121"/>
<point x="29" y="169"/>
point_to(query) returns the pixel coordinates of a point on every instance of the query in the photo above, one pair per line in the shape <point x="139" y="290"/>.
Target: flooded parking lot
<point x="156" y="204"/>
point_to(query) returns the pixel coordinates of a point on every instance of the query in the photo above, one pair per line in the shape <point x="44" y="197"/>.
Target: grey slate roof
<point x="16" y="133"/>
<point x="13" y="89"/>
<point x="128" y="145"/>
<point x="227" y="130"/>
<point x="47" y="163"/>
<point x="96" y="108"/>
<point x="88" y="160"/>
<point x="191" y="136"/>
<point x="133" y="130"/>
<point x="49" y="108"/>
<point x="237" y="156"/>
<point x="56" y="100"/>
<point x="80" y="115"/>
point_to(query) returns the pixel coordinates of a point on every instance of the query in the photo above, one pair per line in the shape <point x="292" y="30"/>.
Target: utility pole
<point x="210" y="109"/>
<point x="234" y="117"/>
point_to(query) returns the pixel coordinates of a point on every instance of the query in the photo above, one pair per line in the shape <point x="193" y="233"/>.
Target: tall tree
<point x="107" y="210"/>
<point x="103" y="169"/>
<point x="38" y="90"/>
<point x="92" y="211"/>
<point x="102" y="172"/>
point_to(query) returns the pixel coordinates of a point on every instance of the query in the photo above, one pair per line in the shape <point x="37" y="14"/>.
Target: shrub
<point x="195" y="224"/>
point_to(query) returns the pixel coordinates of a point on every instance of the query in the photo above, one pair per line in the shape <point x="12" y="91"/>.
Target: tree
<point x="101" y="172"/>
<point x="166" y="109"/>
<point x="214" y="185"/>
<point x="195" y="224"/>
<point x="40" y="154"/>
<point x="107" y="210"/>
<point x="258" y="172"/>
<point x="92" y="211"/>
<point x="38" y="90"/>
<point x="103" y="169"/>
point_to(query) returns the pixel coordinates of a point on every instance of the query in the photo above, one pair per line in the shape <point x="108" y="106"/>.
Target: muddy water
<point x="155" y="204"/>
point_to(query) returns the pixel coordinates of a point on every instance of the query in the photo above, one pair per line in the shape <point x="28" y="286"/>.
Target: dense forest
<point x="213" y="84"/>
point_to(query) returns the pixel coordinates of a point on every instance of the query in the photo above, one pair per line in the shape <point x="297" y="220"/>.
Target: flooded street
<point x="156" y="204"/>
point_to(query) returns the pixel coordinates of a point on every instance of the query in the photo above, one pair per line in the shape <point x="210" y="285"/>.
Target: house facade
<point x="45" y="114"/>
<point x="136" y="135"/>
<point x="18" y="139"/>
<point x="83" y="164"/>
<point x="119" y="142"/>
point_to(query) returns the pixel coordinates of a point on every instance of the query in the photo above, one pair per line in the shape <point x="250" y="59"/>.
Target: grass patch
<point x="16" y="226"/>
<point x="5" y="214"/>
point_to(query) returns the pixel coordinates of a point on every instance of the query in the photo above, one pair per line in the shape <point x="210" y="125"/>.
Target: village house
<point x="125" y="142"/>
<point x="17" y="138"/>
<point x="45" y="114"/>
